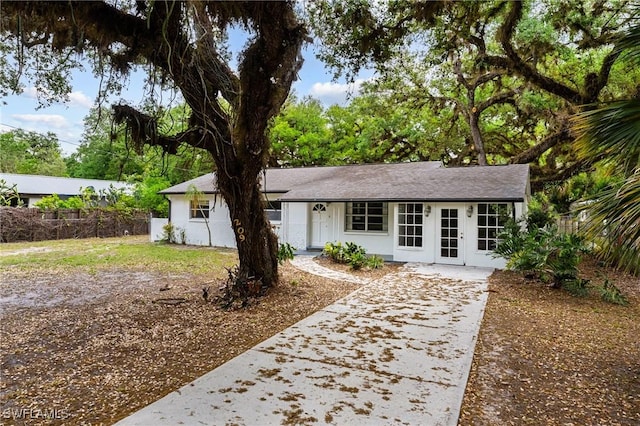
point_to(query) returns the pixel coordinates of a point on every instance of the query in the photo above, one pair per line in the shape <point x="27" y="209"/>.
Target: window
<point x="367" y="217"/>
<point x="491" y="221"/>
<point x="199" y="209"/>
<point x="274" y="211"/>
<point x="410" y="225"/>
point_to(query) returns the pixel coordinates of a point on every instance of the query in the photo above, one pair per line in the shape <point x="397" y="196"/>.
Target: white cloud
<point x="335" y="93"/>
<point x="31" y="92"/>
<point x="79" y="99"/>
<point x="56" y="121"/>
<point x="76" y="99"/>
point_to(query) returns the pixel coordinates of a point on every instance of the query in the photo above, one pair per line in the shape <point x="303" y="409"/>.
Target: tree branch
<point x="514" y="62"/>
<point x="533" y="153"/>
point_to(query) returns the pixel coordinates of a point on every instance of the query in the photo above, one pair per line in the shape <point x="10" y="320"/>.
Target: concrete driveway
<point x="397" y="350"/>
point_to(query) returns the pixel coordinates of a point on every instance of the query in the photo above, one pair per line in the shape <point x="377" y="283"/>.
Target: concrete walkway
<point x="397" y="350"/>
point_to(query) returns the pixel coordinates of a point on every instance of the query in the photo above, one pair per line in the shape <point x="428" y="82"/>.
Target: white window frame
<point x="363" y="216"/>
<point x="490" y="221"/>
<point x="411" y="225"/>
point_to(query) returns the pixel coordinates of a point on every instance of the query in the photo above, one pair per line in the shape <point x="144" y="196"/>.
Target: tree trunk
<point x="256" y="242"/>
<point x="476" y="135"/>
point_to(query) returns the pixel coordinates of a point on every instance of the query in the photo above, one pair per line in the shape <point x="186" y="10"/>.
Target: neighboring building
<point x="418" y="211"/>
<point x="32" y="188"/>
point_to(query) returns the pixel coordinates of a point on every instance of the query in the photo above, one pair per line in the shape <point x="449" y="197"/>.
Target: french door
<point x="449" y="233"/>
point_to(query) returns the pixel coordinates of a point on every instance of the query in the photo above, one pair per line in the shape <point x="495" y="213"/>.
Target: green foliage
<point x="543" y="252"/>
<point x="351" y="254"/>
<point x="111" y="199"/>
<point x="173" y="234"/>
<point x="31" y="153"/>
<point x="610" y="293"/>
<point x="285" y="252"/>
<point x="511" y="240"/>
<point x="9" y="195"/>
<point x="577" y="287"/>
<point x="168" y="233"/>
<point x="375" y="262"/>
<point x="147" y="197"/>
<point x="299" y="135"/>
<point x="540" y="212"/>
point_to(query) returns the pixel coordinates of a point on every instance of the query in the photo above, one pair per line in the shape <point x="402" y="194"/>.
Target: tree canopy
<point x="181" y="46"/>
<point x="509" y="75"/>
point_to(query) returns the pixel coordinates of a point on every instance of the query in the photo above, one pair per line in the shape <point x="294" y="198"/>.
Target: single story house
<point x="32" y="188"/>
<point x="420" y="211"/>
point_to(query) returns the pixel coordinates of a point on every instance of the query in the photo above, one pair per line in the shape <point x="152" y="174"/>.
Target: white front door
<point x="449" y="244"/>
<point x="319" y="225"/>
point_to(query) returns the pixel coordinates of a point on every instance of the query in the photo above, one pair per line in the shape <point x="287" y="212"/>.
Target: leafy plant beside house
<point x="285" y="252"/>
<point x="542" y="252"/>
<point x="9" y="195"/>
<point x="351" y="254"/>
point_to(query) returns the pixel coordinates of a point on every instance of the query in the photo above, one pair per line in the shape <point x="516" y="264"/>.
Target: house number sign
<point x="239" y="229"/>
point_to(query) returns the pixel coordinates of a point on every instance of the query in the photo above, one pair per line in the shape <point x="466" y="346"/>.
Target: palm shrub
<point x="543" y="253"/>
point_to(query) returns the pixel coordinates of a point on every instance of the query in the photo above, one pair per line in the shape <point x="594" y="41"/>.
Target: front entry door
<point x="319" y="225"/>
<point x="450" y="245"/>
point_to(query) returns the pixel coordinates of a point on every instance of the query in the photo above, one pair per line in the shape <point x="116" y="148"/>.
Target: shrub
<point x="611" y="294"/>
<point x="375" y="262"/>
<point x="577" y="287"/>
<point x="172" y="234"/>
<point x="543" y="252"/>
<point x="352" y="254"/>
<point x="168" y="233"/>
<point x="285" y="252"/>
<point x="238" y="290"/>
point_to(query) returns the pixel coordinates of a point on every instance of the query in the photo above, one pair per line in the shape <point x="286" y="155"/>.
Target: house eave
<point x="404" y="200"/>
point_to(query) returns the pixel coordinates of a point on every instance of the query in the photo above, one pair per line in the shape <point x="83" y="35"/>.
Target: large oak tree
<point x="530" y="65"/>
<point x="180" y="45"/>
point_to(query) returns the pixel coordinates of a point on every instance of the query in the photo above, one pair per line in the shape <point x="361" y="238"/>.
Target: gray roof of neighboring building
<point x="48" y="185"/>
<point x="428" y="181"/>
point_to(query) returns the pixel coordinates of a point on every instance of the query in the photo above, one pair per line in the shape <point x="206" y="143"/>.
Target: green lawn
<point x="133" y="253"/>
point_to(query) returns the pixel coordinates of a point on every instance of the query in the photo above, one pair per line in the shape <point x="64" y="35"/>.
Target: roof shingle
<point x="426" y="181"/>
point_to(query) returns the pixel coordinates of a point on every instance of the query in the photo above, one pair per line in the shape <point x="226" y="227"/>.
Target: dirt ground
<point x="545" y="357"/>
<point x="91" y="348"/>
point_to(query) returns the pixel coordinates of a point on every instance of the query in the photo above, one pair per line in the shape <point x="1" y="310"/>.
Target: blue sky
<point x="66" y="120"/>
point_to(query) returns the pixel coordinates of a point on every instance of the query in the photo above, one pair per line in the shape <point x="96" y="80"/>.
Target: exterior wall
<point x="295" y="225"/>
<point x="156" y="231"/>
<point x="295" y="228"/>
<point x="195" y="230"/>
<point x="380" y="243"/>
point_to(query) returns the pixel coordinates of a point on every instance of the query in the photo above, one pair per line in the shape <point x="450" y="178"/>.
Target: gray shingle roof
<point x="428" y="181"/>
<point x="48" y="185"/>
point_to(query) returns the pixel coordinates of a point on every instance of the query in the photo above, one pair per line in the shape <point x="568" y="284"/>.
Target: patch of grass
<point x="113" y="253"/>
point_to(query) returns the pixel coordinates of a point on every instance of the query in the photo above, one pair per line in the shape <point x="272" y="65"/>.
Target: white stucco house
<point x="419" y="211"/>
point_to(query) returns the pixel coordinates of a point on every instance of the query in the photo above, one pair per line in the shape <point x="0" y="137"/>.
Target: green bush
<point x="375" y="262"/>
<point x="351" y="254"/>
<point x="543" y="252"/>
<point x="611" y="294"/>
<point x="285" y="252"/>
<point x="577" y="287"/>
